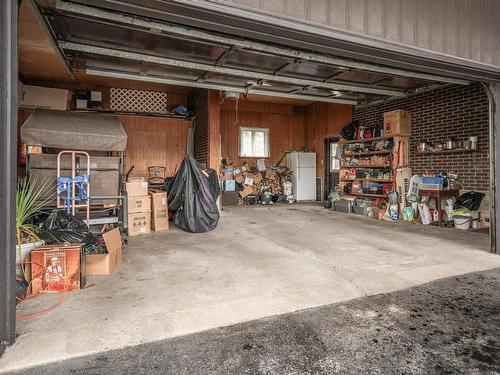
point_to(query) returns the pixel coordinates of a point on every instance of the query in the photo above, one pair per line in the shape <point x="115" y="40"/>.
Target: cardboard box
<point x="248" y="190"/>
<point x="239" y="178"/>
<point x="105" y="264"/>
<point x="257" y="178"/>
<point x="44" y="97"/>
<point x="136" y="179"/>
<point x="270" y="174"/>
<point x="159" y="210"/>
<point x="139" y="223"/>
<point x="136" y="189"/>
<point x="356" y="186"/>
<point x="378" y="213"/>
<point x="138" y="204"/>
<point x="397" y="122"/>
<point x="57" y="268"/>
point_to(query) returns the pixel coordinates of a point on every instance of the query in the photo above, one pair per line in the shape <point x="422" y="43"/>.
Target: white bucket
<point x="462" y="222"/>
<point x="25" y="255"/>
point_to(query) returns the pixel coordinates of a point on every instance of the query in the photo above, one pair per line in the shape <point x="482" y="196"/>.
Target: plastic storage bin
<point x="343" y="206"/>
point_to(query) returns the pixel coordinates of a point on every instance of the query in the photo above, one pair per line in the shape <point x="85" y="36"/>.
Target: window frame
<point x="333" y="157"/>
<point x="267" y="151"/>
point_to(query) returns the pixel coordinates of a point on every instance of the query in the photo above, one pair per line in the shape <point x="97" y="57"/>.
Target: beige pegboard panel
<point x="128" y="100"/>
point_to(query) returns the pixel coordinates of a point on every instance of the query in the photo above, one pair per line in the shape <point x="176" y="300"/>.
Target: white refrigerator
<point x="303" y="166"/>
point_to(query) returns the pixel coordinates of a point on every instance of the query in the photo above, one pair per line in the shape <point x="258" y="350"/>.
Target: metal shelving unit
<point x="389" y="152"/>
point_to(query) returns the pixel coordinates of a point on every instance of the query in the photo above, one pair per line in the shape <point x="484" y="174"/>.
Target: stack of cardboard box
<point x="241" y="181"/>
<point x="138" y="207"/>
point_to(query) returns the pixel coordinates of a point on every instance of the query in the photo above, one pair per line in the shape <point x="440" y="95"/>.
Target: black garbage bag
<point x="470" y="200"/>
<point x="192" y="196"/>
<point x="60" y="227"/>
<point x="349" y="131"/>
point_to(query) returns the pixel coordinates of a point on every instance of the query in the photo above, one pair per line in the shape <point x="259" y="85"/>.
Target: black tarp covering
<point x="192" y="196"/>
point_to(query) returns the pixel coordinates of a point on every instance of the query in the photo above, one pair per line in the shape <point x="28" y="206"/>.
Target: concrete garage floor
<point x="448" y="326"/>
<point x="260" y="261"/>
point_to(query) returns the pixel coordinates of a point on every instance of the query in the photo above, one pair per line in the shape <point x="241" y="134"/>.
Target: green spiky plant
<point x="32" y="196"/>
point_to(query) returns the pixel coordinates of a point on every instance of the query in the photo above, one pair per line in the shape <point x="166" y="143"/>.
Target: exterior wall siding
<point x="468" y="29"/>
<point x="452" y="112"/>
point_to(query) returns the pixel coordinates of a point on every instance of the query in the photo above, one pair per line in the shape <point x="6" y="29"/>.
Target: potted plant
<point x="31" y="197"/>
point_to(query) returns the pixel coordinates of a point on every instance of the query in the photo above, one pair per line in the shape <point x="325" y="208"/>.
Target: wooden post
<point x="214" y="136"/>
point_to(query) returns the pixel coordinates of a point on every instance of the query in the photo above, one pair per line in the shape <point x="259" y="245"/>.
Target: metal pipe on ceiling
<point x="211" y="86"/>
<point x="159" y="27"/>
<point x="111" y="52"/>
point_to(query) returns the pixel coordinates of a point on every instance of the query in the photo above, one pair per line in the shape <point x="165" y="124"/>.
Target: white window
<point x="334" y="155"/>
<point x="254" y="142"/>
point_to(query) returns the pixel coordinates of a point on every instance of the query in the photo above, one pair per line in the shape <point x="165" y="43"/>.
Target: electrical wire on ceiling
<point x="236" y="111"/>
<point x="221" y="97"/>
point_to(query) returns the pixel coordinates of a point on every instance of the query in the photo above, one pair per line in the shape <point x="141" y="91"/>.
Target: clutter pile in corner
<point x="253" y="184"/>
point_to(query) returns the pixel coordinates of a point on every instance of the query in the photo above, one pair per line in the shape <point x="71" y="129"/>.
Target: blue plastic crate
<point x="433" y="180"/>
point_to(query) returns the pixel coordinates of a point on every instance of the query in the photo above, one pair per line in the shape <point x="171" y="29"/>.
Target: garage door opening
<point x="307" y="156"/>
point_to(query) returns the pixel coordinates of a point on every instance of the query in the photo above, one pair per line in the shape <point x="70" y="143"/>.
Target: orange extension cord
<point x="49" y="309"/>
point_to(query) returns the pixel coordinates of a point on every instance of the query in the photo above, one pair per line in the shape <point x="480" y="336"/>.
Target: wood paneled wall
<point x="154" y="141"/>
<point x="286" y="125"/>
<point x="324" y="120"/>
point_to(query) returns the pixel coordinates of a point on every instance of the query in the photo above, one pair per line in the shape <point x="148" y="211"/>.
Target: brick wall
<point x="455" y="111"/>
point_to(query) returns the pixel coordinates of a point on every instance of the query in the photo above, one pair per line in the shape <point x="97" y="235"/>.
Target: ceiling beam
<point x="155" y="26"/>
<point x="141" y="57"/>
<point x="211" y="86"/>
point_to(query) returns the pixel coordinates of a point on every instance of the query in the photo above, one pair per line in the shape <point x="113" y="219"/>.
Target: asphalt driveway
<point x="449" y="326"/>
